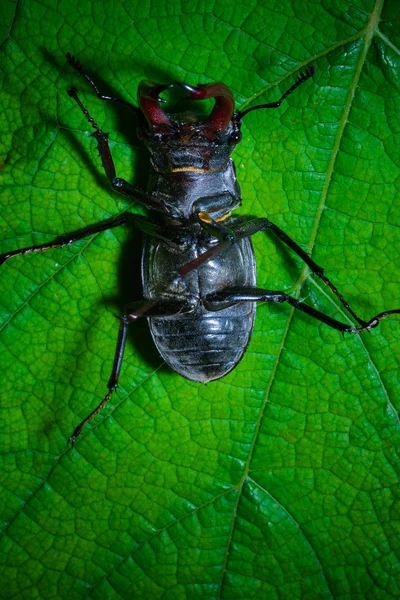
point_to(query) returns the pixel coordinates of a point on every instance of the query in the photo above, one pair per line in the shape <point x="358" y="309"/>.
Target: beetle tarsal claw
<point x="71" y="441"/>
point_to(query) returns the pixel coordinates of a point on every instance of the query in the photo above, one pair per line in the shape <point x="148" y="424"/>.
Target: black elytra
<point x="198" y="265"/>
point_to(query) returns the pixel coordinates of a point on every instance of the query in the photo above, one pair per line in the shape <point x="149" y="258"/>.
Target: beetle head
<point x="183" y="142"/>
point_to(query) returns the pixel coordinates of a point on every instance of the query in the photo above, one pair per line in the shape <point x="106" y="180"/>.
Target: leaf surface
<point x="280" y="480"/>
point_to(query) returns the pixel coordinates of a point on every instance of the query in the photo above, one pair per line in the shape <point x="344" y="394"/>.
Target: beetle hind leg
<point x="225" y="298"/>
<point x="143" y="308"/>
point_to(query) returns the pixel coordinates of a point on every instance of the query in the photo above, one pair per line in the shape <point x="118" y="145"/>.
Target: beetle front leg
<point x="225" y="298"/>
<point x="142" y="308"/>
<point x="118" y="184"/>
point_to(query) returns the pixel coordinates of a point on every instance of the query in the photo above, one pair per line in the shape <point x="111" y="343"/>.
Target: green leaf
<point x="280" y="480"/>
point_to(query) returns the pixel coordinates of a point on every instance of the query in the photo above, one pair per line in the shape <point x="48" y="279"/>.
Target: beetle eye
<point x="235" y="137"/>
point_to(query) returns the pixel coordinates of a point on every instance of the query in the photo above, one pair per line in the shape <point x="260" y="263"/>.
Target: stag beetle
<point x="198" y="265"/>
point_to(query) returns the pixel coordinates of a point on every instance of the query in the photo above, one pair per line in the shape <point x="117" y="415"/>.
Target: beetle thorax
<point x="188" y="147"/>
<point x="186" y="142"/>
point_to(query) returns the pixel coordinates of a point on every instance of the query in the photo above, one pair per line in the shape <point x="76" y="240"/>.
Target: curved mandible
<point x="149" y="102"/>
<point x="224" y="106"/>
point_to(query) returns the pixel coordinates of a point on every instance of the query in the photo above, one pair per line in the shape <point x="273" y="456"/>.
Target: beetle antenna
<point x="304" y="75"/>
<point x="75" y="64"/>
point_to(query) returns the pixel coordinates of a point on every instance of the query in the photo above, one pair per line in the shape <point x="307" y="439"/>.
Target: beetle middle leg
<point x="142" y="308"/>
<point x="143" y="223"/>
<point x="227" y="236"/>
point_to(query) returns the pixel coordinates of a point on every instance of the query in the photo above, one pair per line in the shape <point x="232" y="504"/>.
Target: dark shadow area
<point x="129" y="268"/>
<point x="130" y="290"/>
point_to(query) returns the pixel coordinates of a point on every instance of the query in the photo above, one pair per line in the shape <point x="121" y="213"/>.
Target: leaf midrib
<point x="368" y="32"/>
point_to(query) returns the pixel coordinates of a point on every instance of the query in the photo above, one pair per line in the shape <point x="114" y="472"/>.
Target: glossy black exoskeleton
<point x="198" y="266"/>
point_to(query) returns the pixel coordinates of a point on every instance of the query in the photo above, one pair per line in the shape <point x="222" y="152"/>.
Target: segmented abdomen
<point x="203" y="345"/>
<point x="206" y="345"/>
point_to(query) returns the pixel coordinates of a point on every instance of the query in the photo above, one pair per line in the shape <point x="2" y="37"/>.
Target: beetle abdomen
<point x="204" y="345"/>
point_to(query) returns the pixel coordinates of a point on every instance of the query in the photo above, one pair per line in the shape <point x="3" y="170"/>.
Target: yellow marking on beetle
<point x="228" y="214"/>
<point x="198" y="169"/>
<point x="205" y="217"/>
<point x="183" y="169"/>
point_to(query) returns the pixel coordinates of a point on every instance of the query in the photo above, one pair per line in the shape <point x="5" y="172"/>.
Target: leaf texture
<point x="280" y="480"/>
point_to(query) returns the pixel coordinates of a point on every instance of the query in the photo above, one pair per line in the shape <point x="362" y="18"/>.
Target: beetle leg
<point x="75" y="63"/>
<point x="142" y="308"/>
<point x="225" y="298"/>
<point x="68" y="238"/>
<point x="118" y="184"/>
<point x="219" y="230"/>
<point x="142" y="223"/>
<point x="240" y="230"/>
<point x="262" y="224"/>
<point x="228" y="235"/>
